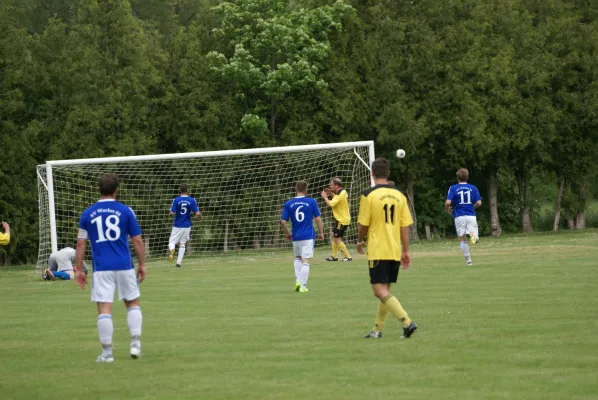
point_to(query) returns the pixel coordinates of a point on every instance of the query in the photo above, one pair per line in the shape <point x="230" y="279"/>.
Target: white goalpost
<point x="239" y="192"/>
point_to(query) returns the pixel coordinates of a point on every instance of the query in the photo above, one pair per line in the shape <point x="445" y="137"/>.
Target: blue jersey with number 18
<point x="463" y="196"/>
<point x="301" y="211"/>
<point x="108" y="224"/>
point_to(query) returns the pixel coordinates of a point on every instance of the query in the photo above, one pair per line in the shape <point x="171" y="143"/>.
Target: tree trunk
<point x="226" y="236"/>
<point x="557" y="209"/>
<point x="428" y="232"/>
<point x="256" y="242"/>
<point x="523" y="183"/>
<point x="492" y="180"/>
<point x="580" y="220"/>
<point x="413" y="228"/>
<point x="570" y="224"/>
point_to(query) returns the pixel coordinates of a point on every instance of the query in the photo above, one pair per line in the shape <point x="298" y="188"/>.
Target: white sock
<point x="304" y="274"/>
<point x="297" y="266"/>
<point x="465" y="249"/>
<point x="105" y="331"/>
<point x="134" y="320"/>
<point x="179" y="259"/>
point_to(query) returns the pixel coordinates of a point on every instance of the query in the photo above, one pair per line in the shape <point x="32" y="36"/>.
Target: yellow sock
<point x="343" y="248"/>
<point x="394" y="306"/>
<point x="381" y="315"/>
<point x="334" y="249"/>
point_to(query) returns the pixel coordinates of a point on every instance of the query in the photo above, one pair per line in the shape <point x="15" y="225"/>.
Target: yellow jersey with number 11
<point x="385" y="211"/>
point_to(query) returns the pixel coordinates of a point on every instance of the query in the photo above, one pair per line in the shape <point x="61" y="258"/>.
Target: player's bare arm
<point x="448" y="206"/>
<point x="405" y="258"/>
<point x="6" y="227"/>
<point x="320" y="228"/>
<point x="477" y="204"/>
<point x="199" y="215"/>
<point x="361" y="235"/>
<point x="79" y="255"/>
<point x="285" y="230"/>
<point x="140" y="252"/>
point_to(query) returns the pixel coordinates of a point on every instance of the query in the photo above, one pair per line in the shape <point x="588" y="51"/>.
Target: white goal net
<point x="240" y="193"/>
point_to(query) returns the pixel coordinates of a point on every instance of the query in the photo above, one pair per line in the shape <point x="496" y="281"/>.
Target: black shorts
<point x="338" y="229"/>
<point x="384" y="271"/>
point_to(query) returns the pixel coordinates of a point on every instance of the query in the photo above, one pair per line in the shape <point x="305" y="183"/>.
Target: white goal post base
<point x="239" y="192"/>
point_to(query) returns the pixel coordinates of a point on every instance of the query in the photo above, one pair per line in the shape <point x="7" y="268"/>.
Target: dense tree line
<point x="506" y="88"/>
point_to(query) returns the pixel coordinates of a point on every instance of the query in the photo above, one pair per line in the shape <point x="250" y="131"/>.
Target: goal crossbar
<point x="219" y="153"/>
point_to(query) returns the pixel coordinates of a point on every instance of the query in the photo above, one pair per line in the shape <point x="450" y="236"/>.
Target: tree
<point x="272" y="51"/>
<point x="17" y="140"/>
<point x="96" y="82"/>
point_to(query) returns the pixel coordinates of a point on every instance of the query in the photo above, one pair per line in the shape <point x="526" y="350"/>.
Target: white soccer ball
<point x="400" y="153"/>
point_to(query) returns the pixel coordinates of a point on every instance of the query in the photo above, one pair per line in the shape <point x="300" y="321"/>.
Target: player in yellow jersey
<point x="5" y="237"/>
<point x="384" y="219"/>
<point x="339" y="202"/>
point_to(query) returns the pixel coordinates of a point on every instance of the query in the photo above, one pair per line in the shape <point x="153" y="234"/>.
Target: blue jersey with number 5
<point x="301" y="211"/>
<point x="463" y="196"/>
<point x="182" y="207"/>
<point x="108" y="224"/>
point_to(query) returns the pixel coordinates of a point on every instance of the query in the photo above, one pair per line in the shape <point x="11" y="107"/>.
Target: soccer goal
<point x="239" y="192"/>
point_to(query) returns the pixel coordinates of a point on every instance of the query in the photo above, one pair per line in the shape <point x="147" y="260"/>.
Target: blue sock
<point x="62" y="275"/>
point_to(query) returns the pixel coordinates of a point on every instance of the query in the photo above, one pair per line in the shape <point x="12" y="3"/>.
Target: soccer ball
<point x="400" y="153"/>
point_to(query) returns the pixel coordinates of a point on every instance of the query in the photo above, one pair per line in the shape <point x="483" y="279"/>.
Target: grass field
<point x="522" y="323"/>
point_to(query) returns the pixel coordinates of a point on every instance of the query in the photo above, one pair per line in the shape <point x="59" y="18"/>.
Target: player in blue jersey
<point x="182" y="208"/>
<point x="461" y="202"/>
<point x="108" y="224"/>
<point x="302" y="210"/>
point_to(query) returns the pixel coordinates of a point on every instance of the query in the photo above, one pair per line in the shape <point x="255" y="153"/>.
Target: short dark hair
<point x="184" y="188"/>
<point x="69" y="244"/>
<point x="337" y="181"/>
<point x="380" y="168"/>
<point x="108" y="184"/>
<point x="301" y="187"/>
<point x="463" y="175"/>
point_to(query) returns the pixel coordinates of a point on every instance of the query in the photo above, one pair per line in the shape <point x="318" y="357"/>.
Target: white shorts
<point x="103" y="284"/>
<point x="179" y="235"/>
<point x="466" y="225"/>
<point x="303" y="248"/>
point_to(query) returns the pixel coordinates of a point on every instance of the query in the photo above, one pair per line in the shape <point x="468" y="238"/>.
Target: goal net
<point x="239" y="192"/>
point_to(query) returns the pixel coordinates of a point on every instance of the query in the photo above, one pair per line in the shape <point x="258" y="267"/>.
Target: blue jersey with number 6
<point x="463" y="196"/>
<point x="301" y="211"/>
<point x="182" y="207"/>
<point x="108" y="224"/>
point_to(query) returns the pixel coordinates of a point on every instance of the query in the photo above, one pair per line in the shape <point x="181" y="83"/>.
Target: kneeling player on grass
<point x="461" y="202"/>
<point x="384" y="219"/>
<point x="182" y="208"/>
<point x="60" y="264"/>
<point x="301" y="210"/>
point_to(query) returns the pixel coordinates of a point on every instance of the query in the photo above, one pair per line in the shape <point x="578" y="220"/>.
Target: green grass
<point x="521" y="323"/>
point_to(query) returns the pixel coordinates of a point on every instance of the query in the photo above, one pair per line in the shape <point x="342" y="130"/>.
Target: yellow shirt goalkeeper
<point x="5" y="237"/>
<point x="339" y="202"/>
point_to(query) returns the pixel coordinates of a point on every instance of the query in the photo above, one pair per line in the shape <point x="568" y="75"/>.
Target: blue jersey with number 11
<point x="463" y="196"/>
<point x="108" y="224"/>
<point x="301" y="211"/>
